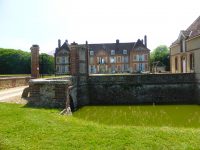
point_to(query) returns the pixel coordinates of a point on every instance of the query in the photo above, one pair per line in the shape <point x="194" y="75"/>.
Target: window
<point x="57" y="60"/>
<point x="101" y="60"/>
<point x="67" y="59"/>
<point x="118" y="59"/>
<point x="66" y="69"/>
<point x="182" y="46"/>
<point x="63" y="69"/>
<point x="141" y="57"/>
<point x="63" y="59"/>
<point x="145" y="57"/>
<point x="126" y="67"/>
<point x="112" y="52"/>
<point x="113" y="68"/>
<point x="57" y="68"/>
<point x="134" y="57"/>
<point x="146" y="67"/>
<point x="125" y="52"/>
<point x="91" y="53"/>
<point x="112" y="59"/>
<point x="126" y="59"/>
<point x="191" y="61"/>
<point x="176" y="63"/>
<point x="91" y="60"/>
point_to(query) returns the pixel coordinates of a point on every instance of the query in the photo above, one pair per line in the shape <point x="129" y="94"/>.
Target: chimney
<point x="66" y="41"/>
<point x="145" y="41"/>
<point x="59" y="43"/>
<point x="117" y="41"/>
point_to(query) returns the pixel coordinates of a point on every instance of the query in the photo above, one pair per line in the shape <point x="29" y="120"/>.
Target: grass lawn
<point x="102" y="127"/>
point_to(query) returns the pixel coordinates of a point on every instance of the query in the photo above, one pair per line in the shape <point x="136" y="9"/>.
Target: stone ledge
<point x="44" y="81"/>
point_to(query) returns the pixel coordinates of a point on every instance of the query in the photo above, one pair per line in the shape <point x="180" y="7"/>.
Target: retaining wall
<point x="10" y="82"/>
<point x="144" y="89"/>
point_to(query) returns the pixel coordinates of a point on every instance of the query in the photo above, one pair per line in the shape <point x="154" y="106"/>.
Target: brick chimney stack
<point x="35" y="61"/>
<point x="145" y="41"/>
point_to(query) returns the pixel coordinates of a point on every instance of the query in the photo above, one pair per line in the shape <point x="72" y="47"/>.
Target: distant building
<point x="185" y="51"/>
<point x="119" y="57"/>
<point x="62" y="61"/>
<point x="116" y="57"/>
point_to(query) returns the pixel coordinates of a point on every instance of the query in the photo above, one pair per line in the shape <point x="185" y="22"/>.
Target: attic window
<point x="124" y="51"/>
<point x="112" y="52"/>
<point x="91" y="53"/>
<point x="182" y="45"/>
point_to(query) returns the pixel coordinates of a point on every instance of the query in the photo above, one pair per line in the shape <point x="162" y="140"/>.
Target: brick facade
<point x="35" y="61"/>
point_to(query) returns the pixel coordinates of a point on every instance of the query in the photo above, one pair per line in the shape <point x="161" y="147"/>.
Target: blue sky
<point x="43" y="22"/>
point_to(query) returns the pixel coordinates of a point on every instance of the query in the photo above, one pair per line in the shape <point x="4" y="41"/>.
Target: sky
<point x="43" y="22"/>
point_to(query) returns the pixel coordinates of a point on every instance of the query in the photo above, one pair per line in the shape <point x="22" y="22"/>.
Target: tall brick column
<point x="79" y="70"/>
<point x="78" y="59"/>
<point x="35" y="61"/>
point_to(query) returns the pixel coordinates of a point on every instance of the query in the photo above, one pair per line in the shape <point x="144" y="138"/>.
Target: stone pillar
<point x="35" y="61"/>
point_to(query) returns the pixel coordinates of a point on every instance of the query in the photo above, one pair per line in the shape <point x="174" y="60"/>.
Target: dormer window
<point x="182" y="45"/>
<point x="125" y="52"/>
<point x="91" y="53"/>
<point x="112" y="52"/>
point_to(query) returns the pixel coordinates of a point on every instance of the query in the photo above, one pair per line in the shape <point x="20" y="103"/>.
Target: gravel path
<point x="13" y="95"/>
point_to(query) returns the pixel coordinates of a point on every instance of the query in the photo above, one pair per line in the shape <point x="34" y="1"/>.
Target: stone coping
<point x="11" y="78"/>
<point x="45" y="81"/>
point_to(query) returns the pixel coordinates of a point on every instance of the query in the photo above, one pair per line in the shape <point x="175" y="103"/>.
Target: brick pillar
<point x="35" y="61"/>
<point x="78" y="59"/>
<point x="74" y="59"/>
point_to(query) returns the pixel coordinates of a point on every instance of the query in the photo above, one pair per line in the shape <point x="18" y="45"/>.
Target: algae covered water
<point x="159" y="115"/>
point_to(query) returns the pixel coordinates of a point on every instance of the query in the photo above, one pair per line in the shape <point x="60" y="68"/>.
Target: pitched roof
<point x="65" y="46"/>
<point x="192" y="31"/>
<point x="118" y="47"/>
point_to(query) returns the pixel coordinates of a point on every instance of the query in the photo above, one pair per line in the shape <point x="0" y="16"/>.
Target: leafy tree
<point x="19" y="62"/>
<point x="46" y="64"/>
<point x="161" y="53"/>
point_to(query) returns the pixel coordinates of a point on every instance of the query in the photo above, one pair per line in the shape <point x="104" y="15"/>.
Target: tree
<point x="19" y="62"/>
<point x="46" y="64"/>
<point x="160" y="53"/>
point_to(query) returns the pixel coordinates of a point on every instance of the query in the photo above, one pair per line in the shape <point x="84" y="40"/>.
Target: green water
<point x="162" y="115"/>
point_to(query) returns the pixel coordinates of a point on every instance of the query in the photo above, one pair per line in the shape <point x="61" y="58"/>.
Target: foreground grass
<point x="27" y="128"/>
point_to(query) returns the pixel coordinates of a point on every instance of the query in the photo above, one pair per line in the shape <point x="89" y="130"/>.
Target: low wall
<point x="9" y="82"/>
<point x="144" y="89"/>
<point x="48" y="93"/>
<point x="116" y="90"/>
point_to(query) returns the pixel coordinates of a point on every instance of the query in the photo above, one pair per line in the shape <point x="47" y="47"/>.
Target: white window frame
<point x="92" y="53"/>
<point x="125" y="52"/>
<point x="112" y="52"/>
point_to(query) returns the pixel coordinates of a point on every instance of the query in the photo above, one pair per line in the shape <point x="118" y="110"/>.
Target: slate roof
<point x="64" y="46"/>
<point x="118" y="47"/>
<point x="192" y="31"/>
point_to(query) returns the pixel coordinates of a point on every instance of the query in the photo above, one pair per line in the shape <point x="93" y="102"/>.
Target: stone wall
<point x="144" y="89"/>
<point x="48" y="93"/>
<point x="10" y="82"/>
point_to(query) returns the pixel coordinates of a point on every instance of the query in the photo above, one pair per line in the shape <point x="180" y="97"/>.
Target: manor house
<point x="115" y="57"/>
<point x="185" y="51"/>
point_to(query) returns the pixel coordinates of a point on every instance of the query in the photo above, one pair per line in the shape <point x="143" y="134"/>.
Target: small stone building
<point x="185" y="51"/>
